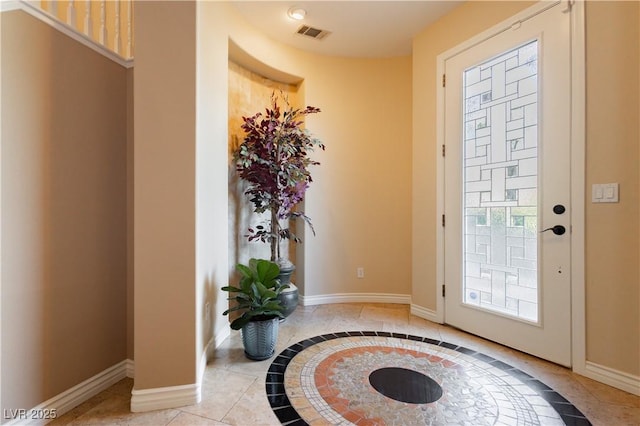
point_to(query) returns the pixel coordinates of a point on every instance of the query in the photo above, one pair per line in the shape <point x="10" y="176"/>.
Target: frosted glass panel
<point x="500" y="183"/>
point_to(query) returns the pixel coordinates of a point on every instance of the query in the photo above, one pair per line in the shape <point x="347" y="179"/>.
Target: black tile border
<point x="281" y="406"/>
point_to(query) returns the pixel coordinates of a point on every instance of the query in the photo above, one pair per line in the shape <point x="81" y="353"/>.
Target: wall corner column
<point x="165" y="206"/>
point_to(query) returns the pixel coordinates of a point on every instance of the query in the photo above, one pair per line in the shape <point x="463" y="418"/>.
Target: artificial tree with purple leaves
<point x="274" y="160"/>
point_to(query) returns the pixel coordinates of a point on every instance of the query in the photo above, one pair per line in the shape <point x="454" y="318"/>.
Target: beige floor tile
<point x="395" y="306"/>
<point x="223" y="356"/>
<point x="608" y="394"/>
<point x="601" y="414"/>
<point x="221" y="389"/>
<point x="233" y="390"/>
<point x="120" y="391"/>
<point x="115" y="411"/>
<point x="241" y="364"/>
<point x="346" y="324"/>
<point x="252" y="409"/>
<point x="307" y="331"/>
<point x="388" y="315"/>
<point x="186" y="419"/>
<point x="345" y="310"/>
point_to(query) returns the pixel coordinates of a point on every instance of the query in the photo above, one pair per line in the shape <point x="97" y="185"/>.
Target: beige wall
<point x="361" y="197"/>
<point x="64" y="212"/>
<point x="180" y="189"/>
<point x="612" y="289"/>
<point x="211" y="174"/>
<point x="165" y="195"/>
<point x="461" y="24"/>
<point x="1" y="297"/>
<point x="612" y="244"/>
<point x="360" y="200"/>
<point x="130" y="217"/>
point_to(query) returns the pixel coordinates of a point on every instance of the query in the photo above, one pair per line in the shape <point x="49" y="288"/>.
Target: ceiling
<point x="357" y="28"/>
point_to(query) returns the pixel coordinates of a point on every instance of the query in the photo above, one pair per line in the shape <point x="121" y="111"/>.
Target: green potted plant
<point x="274" y="160"/>
<point x="257" y="301"/>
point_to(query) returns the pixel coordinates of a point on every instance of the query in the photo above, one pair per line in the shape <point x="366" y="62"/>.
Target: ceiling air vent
<point x="316" y="33"/>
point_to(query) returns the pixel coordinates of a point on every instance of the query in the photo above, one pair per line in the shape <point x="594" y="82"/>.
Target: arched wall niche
<point x="251" y="84"/>
<point x="239" y="56"/>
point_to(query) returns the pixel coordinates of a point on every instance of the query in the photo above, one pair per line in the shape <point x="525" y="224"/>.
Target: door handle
<point x="558" y="230"/>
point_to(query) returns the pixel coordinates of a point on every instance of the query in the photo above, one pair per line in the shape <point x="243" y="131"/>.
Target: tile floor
<point x="335" y="376"/>
<point x="233" y="389"/>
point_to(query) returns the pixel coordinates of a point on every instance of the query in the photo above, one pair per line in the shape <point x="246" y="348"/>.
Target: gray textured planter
<point x="289" y="296"/>
<point x="289" y="300"/>
<point x="285" y="273"/>
<point x="259" y="338"/>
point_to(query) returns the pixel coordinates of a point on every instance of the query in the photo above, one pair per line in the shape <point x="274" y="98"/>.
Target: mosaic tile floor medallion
<point x="380" y="378"/>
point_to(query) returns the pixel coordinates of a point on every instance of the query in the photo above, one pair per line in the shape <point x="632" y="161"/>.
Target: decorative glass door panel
<point x="500" y="166"/>
<point x="506" y="128"/>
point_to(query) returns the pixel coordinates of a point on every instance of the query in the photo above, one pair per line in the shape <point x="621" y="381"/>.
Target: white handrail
<point x="109" y="21"/>
<point x="65" y="20"/>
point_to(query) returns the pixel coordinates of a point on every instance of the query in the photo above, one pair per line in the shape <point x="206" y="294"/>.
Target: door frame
<point x="577" y="146"/>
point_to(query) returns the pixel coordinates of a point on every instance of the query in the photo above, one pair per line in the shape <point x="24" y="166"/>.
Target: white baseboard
<point x="177" y="396"/>
<point x="222" y="335"/>
<point x="73" y="397"/>
<point x="167" y="397"/>
<point x="130" y="366"/>
<point x="425" y="313"/>
<point x="324" y="299"/>
<point x="216" y="340"/>
<point x="403" y="299"/>
<point x="618" y="379"/>
<point x="204" y="358"/>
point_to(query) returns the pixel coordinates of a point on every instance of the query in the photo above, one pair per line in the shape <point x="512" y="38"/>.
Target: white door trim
<point x="578" y="185"/>
<point x="578" y="332"/>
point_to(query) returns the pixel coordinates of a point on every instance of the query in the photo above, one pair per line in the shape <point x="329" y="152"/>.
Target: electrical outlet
<point x="360" y="272"/>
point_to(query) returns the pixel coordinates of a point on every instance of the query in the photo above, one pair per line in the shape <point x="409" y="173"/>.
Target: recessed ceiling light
<point x="296" y="13"/>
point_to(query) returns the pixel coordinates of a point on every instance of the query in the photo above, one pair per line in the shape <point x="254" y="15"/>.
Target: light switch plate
<point x="596" y="193"/>
<point x="605" y="193"/>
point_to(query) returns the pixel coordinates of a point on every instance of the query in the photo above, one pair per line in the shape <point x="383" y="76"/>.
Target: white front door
<point x="507" y="180"/>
